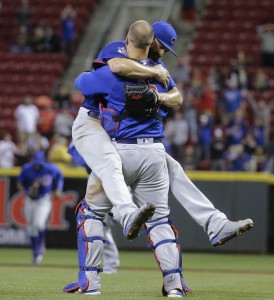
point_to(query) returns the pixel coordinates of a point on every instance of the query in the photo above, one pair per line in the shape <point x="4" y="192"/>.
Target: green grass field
<point x="211" y="276"/>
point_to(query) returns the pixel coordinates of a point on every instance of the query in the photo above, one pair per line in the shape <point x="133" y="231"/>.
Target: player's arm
<point x="85" y="83"/>
<point x="132" y="69"/>
<point x="58" y="183"/>
<point x="172" y="98"/>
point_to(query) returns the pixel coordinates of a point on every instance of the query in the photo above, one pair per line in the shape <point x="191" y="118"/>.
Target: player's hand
<point x="161" y="75"/>
<point x="58" y="194"/>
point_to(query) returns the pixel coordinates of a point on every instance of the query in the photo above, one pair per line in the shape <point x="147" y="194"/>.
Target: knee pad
<point x="90" y="246"/>
<point x="164" y="241"/>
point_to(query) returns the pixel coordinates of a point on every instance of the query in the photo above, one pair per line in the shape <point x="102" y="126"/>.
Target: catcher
<point x="37" y="180"/>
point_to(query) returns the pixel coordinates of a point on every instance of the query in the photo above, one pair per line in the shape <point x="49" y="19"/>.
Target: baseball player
<point x="136" y="125"/>
<point x="181" y="188"/>
<point x="38" y="179"/>
<point x="215" y="223"/>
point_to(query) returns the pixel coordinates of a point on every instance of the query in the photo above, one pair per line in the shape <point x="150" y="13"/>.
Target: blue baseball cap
<point x="39" y="157"/>
<point x="165" y="34"/>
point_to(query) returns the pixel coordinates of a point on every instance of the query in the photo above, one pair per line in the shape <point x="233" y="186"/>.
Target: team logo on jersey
<point x="173" y="40"/>
<point x="122" y="50"/>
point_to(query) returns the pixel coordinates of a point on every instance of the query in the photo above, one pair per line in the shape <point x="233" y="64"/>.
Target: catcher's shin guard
<point x="163" y="240"/>
<point x="90" y="247"/>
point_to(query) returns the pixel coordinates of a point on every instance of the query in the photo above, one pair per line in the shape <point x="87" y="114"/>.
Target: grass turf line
<point x="211" y="276"/>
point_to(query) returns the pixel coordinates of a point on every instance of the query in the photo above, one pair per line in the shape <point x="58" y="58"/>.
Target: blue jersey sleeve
<point x="88" y="84"/>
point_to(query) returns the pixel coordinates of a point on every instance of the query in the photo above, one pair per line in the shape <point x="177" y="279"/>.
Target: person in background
<point x="7" y="151"/>
<point x="27" y="117"/>
<point x="68" y="16"/>
<point x="38" y="180"/>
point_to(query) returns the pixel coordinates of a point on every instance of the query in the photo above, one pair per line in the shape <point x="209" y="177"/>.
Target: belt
<point x="93" y="114"/>
<point x="139" y="141"/>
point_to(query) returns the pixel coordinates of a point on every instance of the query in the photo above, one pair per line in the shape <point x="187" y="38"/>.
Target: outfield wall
<point x="238" y="195"/>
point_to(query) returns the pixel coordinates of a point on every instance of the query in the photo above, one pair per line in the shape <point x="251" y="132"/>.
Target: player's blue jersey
<point x="111" y="50"/>
<point x="103" y="82"/>
<point x="49" y="178"/>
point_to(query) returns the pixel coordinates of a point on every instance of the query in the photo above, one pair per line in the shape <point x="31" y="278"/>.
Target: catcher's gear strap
<point x="85" y="205"/>
<point x="163" y="242"/>
<point x="93" y="238"/>
<point x="147" y="231"/>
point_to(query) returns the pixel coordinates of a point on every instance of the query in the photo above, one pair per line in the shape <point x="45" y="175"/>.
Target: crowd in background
<point x="41" y="37"/>
<point x="220" y="126"/>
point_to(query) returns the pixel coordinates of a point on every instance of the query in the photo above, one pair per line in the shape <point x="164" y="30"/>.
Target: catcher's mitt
<point x="34" y="189"/>
<point x="140" y="99"/>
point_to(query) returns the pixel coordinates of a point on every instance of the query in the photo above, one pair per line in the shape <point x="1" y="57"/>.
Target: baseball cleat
<point x="72" y="287"/>
<point x="37" y="259"/>
<point x="231" y="230"/>
<point x="137" y="219"/>
<point x="176" y="293"/>
<point x="90" y="292"/>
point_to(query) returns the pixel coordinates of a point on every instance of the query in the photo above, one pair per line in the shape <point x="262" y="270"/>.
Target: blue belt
<point x="93" y="114"/>
<point x="139" y="141"/>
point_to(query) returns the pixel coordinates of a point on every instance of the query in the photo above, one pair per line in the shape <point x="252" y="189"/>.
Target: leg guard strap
<point x="85" y="205"/>
<point x="163" y="242"/>
<point x="93" y="238"/>
<point x="147" y="231"/>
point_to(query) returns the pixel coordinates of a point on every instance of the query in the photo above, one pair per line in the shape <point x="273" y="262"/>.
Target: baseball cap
<point x="39" y="157"/>
<point x="165" y="34"/>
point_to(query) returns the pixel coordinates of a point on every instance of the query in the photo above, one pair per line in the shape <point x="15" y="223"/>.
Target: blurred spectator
<point x="238" y="160"/>
<point x="36" y="142"/>
<point x="214" y="78"/>
<point x="24" y="14"/>
<point x="68" y="16"/>
<point x="61" y="96"/>
<point x="63" y="123"/>
<point x="51" y="41"/>
<point x="238" y="73"/>
<point x="260" y="81"/>
<point x="58" y="152"/>
<point x="218" y="148"/>
<point x="266" y="32"/>
<point x="76" y="99"/>
<point x="207" y="100"/>
<point x="47" y="115"/>
<point x="176" y="131"/>
<point x="233" y="97"/>
<point x="205" y="136"/>
<point x="27" y="116"/>
<point x="189" y="161"/>
<point x="197" y="81"/>
<point x="236" y="129"/>
<point x="188" y="10"/>
<point x="258" y="132"/>
<point x="190" y="115"/>
<point x="7" y="151"/>
<point x="181" y="72"/>
<point x="37" y="39"/>
<point x="22" y="42"/>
